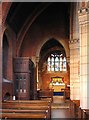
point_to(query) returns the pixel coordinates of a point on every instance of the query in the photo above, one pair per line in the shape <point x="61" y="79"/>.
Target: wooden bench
<point x="45" y="95"/>
<point x="27" y="107"/>
<point x="26" y="104"/>
<point x="29" y="101"/>
<point x="23" y="106"/>
<point x="31" y="116"/>
<point x="85" y="114"/>
<point x="74" y="108"/>
<point x="80" y="113"/>
<point x="77" y="112"/>
<point x="22" y="111"/>
<point x="15" y="113"/>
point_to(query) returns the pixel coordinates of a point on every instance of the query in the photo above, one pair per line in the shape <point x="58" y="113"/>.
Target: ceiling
<point x="48" y="15"/>
<point x="21" y="11"/>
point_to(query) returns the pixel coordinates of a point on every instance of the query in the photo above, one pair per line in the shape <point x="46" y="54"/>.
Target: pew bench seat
<point x="17" y="107"/>
<point x="20" y="115"/>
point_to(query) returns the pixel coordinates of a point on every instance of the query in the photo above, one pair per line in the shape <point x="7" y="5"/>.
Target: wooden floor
<point x="60" y="108"/>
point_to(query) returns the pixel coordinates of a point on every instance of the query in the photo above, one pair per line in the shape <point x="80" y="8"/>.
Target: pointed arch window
<point x="56" y="62"/>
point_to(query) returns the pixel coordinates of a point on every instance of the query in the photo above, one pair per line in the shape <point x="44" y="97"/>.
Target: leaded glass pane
<point x="61" y="64"/>
<point x="48" y="67"/>
<point x="56" y="64"/>
<point x="52" y="64"/>
<point x="64" y="64"/>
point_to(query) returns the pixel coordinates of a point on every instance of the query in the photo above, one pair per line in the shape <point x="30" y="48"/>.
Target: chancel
<point x="57" y="84"/>
<point x="44" y="60"/>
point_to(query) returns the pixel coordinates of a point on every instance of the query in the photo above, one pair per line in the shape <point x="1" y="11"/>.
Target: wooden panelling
<point x="22" y="64"/>
<point x="25" y="85"/>
<point x="7" y="89"/>
<point x="22" y="85"/>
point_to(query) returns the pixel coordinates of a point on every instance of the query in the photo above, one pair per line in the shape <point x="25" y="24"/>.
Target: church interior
<point x="49" y="78"/>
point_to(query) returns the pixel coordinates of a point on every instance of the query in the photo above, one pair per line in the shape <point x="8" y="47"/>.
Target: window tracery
<point x="56" y="62"/>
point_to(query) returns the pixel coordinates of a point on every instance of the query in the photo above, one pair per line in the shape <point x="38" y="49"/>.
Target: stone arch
<point x="5" y="9"/>
<point x="42" y="65"/>
<point x="11" y="36"/>
<point x="5" y="57"/>
<point x="27" y="25"/>
<point x="8" y="38"/>
<point x="9" y="60"/>
<point x="61" y="41"/>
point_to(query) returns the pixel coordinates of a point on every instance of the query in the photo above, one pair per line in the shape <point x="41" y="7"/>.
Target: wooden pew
<point x="74" y="108"/>
<point x="29" y="101"/>
<point x="36" y="113"/>
<point x="80" y="113"/>
<point x="46" y="94"/>
<point x="77" y="105"/>
<point x="85" y="114"/>
<point x="22" y="111"/>
<point x="31" y="112"/>
<point x="77" y="112"/>
<point x="5" y="116"/>
<point x="24" y="106"/>
<point x="28" y="106"/>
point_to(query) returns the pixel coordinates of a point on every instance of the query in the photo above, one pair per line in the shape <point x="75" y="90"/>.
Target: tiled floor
<point x="58" y="99"/>
<point x="61" y="113"/>
<point x="60" y="108"/>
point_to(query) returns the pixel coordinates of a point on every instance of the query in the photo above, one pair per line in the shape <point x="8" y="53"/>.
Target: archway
<point x="5" y="56"/>
<point x="52" y="46"/>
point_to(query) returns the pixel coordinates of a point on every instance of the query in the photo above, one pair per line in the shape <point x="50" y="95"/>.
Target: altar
<point x="59" y="87"/>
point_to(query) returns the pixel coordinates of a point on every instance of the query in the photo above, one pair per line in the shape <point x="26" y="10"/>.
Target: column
<point x="74" y="70"/>
<point x="68" y="68"/>
<point x="74" y="54"/>
<point x="0" y="51"/>
<point x="37" y="72"/>
<point x="84" y="56"/>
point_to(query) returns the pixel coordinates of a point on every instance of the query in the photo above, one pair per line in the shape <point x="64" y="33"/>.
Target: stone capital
<point x="72" y="41"/>
<point x="83" y="14"/>
<point x="37" y="59"/>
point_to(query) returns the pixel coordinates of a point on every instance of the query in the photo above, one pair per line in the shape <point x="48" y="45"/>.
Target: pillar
<point x="0" y="51"/>
<point x="74" y="53"/>
<point x="84" y="55"/>
<point x="68" y="68"/>
<point x="37" y="72"/>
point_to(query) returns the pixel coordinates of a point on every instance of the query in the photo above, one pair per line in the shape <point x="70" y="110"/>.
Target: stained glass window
<point x="56" y="62"/>
<point x="64" y="64"/>
<point x="49" y="64"/>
